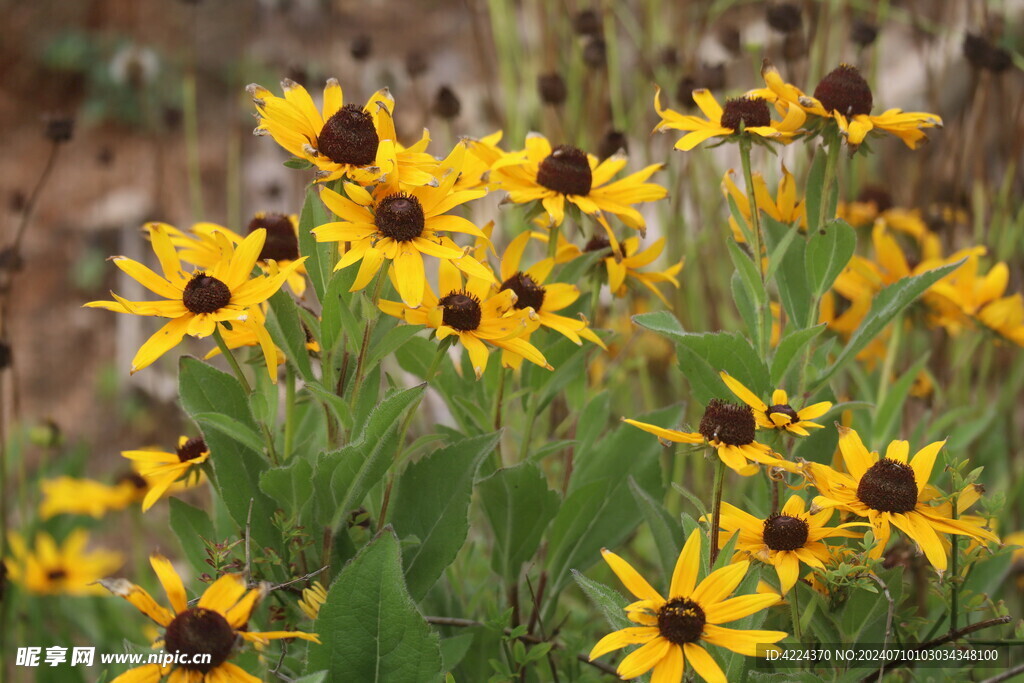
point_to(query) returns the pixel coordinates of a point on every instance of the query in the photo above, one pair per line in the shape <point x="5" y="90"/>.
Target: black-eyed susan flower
<point x="391" y="224"/>
<point x="967" y="297"/>
<point x="784" y="539"/>
<point x="341" y="139"/>
<point x="480" y="156"/>
<point x="625" y="260"/>
<point x="674" y="631"/>
<point x="545" y="299"/>
<point x="161" y="470"/>
<point x="564" y="173"/>
<point x="196" y="304"/>
<point x="473" y="314"/>
<point x="845" y="97"/>
<point x="74" y="496"/>
<point x="747" y="115"/>
<point x="313" y="597"/>
<point x="780" y="414"/>
<point x="892" y="491"/>
<point x="731" y="430"/>
<point x="50" y="568"/>
<point x="215" y="626"/>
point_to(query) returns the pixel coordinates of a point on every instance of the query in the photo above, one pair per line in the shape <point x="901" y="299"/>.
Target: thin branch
<point x="888" y="616"/>
<point x="248" y="548"/>
<point x="306" y="577"/>
<point x="1006" y="675"/>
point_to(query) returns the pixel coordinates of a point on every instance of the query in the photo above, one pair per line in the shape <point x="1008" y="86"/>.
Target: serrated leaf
<point x="611" y="603"/>
<point x="518" y="506"/>
<point x="370" y="629"/>
<point x="232" y="428"/>
<point x="431" y="502"/>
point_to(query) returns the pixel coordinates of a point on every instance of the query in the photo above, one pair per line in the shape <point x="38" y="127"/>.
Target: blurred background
<point x="153" y="97"/>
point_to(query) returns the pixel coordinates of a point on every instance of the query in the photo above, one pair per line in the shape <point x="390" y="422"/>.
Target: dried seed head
<point x="587" y="23"/>
<point x="613" y="142"/>
<point x="200" y="631"/>
<point x="361" y="47"/>
<point x="983" y="55"/>
<point x="529" y="294"/>
<point x="566" y="170"/>
<point x="60" y="129"/>
<point x="446" y="103"/>
<point x="205" y="294"/>
<point x="416" y="64"/>
<point x="784" y="17"/>
<point x="845" y="91"/>
<point x="750" y="111"/>
<point x="282" y="243"/>
<point x="552" y="88"/>
<point x="400" y="217"/>
<point x="888" y="486"/>
<point x="863" y="32"/>
<point x="595" y="53"/>
<point x="461" y="311"/>
<point x="729" y="423"/>
<point x="782" y="532"/>
<point x="349" y="137"/>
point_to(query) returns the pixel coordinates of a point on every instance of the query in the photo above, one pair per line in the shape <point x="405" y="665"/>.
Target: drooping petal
<point x="703" y="663"/>
<point x="171" y="582"/>
<point x="617" y="640"/>
<point x="631" y="579"/>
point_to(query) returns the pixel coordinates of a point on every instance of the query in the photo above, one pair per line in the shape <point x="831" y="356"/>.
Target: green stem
<point x="794" y="613"/>
<point x="232" y="361"/>
<point x="531" y="419"/>
<point x="954" y="587"/>
<point x="764" y="314"/>
<point x="716" y="511"/>
<point x="367" y="333"/>
<point x="499" y="397"/>
<point x="553" y="241"/>
<point x="890" y="360"/>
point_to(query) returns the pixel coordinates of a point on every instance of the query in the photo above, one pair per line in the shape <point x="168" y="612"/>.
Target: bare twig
<point x="888" y="616"/>
<point x="1006" y="675"/>
<point x="305" y="577"/>
<point x="248" y="548"/>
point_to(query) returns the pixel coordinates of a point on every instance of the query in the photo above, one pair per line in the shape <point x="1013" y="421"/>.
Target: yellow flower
<point x="544" y="299"/>
<point x="731" y="430"/>
<point x="480" y="156"/>
<point x="341" y="139"/>
<point x="208" y="631"/>
<point x="891" y="491"/>
<point x="845" y="97"/>
<point x="71" y="496"/>
<point x="51" y="569"/>
<point x="778" y="415"/>
<point x="401" y="227"/>
<point x="160" y="469"/>
<point x="743" y="115"/>
<point x="674" y="631"/>
<point x="784" y="539"/>
<point x="968" y="296"/>
<point x="473" y="315"/>
<point x="566" y="173"/>
<point x="785" y="207"/>
<point x="225" y="292"/>
<point x="626" y="260"/>
<point x="313" y="597"/>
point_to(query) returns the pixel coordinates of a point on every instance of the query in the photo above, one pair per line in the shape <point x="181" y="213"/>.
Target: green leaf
<point x="611" y="603"/>
<point x="291" y="486"/>
<point x="191" y="525"/>
<point x="748" y="271"/>
<point x="338" y="406"/>
<point x="232" y="428"/>
<point x="746" y="307"/>
<point x="369" y="626"/>
<point x="454" y="649"/>
<point x="828" y="251"/>
<point x="431" y="503"/>
<point x="286" y="330"/>
<point x="703" y="355"/>
<point x="300" y="164"/>
<point x="321" y="255"/>
<point x="236" y="466"/>
<point x="668" y="536"/>
<point x="791" y="275"/>
<point x="361" y="464"/>
<point x="789" y="349"/>
<point x="337" y="318"/>
<point x="887" y="304"/>
<point x="778" y="253"/>
<point x="393" y="340"/>
<point x="518" y="506"/>
<point x="815" y="188"/>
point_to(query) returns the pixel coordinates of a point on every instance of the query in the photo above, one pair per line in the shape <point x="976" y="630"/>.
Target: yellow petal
<point x="223" y="593"/>
<point x="703" y="663"/>
<point x="619" y="639"/>
<point x="643" y="659"/>
<point x="636" y="584"/>
<point x="742" y="393"/>
<point x="684" y="578"/>
<point x="171" y="582"/>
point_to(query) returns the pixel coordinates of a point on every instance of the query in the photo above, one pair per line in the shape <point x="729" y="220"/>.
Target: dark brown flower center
<point x="57" y="574"/>
<point x="133" y="478"/>
<point x="844" y="91"/>
<point x="597" y="243"/>
<point x="888" y="486"/>
<point x="784" y="17"/>
<point x="282" y="242"/>
<point x="681" y="621"/>
<point x="877" y="195"/>
<point x="199" y="631"/>
<point x="191" y="449"/>
<point x="750" y="111"/>
<point x="782" y="532"/>
<point x="728" y="423"/>
<point x="400" y="217"/>
<point x="205" y="294"/>
<point x="529" y="294"/>
<point x="552" y="88"/>
<point x="566" y="170"/>
<point x="461" y="311"/>
<point x="349" y="137"/>
<point x="784" y="409"/>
